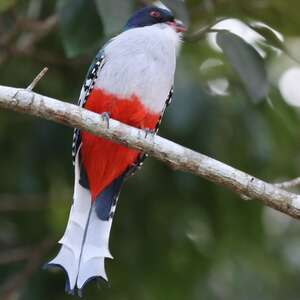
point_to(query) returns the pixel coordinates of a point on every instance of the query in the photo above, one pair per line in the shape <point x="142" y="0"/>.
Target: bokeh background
<point x="175" y="236"/>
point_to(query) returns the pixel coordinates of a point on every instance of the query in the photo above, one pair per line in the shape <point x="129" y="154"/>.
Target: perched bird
<point x="130" y="80"/>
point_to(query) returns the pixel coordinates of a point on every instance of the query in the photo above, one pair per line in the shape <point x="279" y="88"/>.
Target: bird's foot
<point x="149" y="132"/>
<point x="105" y="117"/>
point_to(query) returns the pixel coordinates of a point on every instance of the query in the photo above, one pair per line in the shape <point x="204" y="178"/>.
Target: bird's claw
<point x="149" y="132"/>
<point x="105" y="117"/>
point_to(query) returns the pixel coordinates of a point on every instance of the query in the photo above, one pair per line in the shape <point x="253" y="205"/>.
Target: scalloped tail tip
<point x="75" y="291"/>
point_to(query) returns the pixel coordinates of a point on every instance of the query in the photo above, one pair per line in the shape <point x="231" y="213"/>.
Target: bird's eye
<point x="155" y="14"/>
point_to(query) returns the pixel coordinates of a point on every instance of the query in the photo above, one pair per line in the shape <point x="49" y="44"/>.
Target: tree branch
<point x="17" y="42"/>
<point x="174" y="155"/>
<point x="202" y="32"/>
<point x="288" y="184"/>
<point x="37" y="79"/>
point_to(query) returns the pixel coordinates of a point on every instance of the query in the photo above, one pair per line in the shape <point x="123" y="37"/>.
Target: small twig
<point x="199" y="34"/>
<point x="27" y="41"/>
<point x="282" y="185"/>
<point x="37" y="79"/>
<point x="19" y="41"/>
<point x="288" y="184"/>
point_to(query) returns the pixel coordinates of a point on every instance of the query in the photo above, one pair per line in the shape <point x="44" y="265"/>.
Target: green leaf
<point x="80" y="26"/>
<point x="247" y="63"/>
<point x="272" y="39"/>
<point x="268" y="34"/>
<point x="114" y="14"/>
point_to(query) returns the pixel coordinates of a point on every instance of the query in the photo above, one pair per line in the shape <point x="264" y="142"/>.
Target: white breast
<point x="141" y="62"/>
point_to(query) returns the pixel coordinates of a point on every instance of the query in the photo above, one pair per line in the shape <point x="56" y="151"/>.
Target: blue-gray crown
<point x="148" y="16"/>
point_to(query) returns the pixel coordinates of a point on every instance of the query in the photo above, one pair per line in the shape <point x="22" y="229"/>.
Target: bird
<point x="131" y="80"/>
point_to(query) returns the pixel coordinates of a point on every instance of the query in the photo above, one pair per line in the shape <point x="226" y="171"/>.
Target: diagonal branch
<point x="174" y="155"/>
<point x="37" y="79"/>
<point x="288" y="184"/>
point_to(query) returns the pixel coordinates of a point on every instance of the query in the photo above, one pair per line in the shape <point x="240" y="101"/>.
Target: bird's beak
<point x="177" y="25"/>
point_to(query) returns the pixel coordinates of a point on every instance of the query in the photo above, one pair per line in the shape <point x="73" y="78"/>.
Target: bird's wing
<point x="86" y="89"/>
<point x="139" y="163"/>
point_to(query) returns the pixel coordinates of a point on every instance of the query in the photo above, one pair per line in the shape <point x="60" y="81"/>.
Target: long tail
<point x="85" y="242"/>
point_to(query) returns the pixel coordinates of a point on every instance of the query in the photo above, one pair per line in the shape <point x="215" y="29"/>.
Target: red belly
<point x="102" y="159"/>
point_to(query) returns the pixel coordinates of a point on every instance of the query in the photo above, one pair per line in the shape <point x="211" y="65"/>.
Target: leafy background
<point x="175" y="236"/>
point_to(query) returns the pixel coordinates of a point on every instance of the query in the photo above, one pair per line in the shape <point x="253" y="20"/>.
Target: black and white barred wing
<point x="139" y="163"/>
<point x="86" y="89"/>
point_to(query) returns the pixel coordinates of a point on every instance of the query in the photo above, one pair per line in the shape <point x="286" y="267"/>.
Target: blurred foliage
<point x="247" y="62"/>
<point x="175" y="236"/>
<point x="76" y="35"/>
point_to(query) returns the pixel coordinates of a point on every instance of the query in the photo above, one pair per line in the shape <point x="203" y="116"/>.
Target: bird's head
<point x="152" y="15"/>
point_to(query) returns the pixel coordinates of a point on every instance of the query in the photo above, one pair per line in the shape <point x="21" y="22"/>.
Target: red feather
<point x="104" y="160"/>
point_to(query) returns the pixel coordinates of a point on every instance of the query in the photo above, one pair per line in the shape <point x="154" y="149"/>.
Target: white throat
<point x="141" y="62"/>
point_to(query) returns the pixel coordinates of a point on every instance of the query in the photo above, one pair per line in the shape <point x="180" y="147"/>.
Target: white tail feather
<point x="85" y="242"/>
<point x="95" y="249"/>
